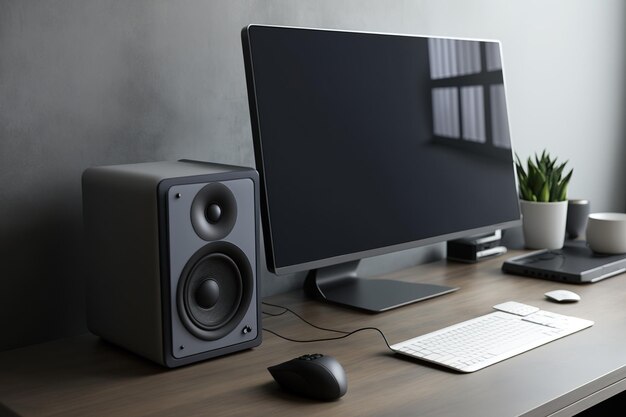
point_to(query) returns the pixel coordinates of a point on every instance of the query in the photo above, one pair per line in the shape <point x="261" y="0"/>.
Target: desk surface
<point x="83" y="376"/>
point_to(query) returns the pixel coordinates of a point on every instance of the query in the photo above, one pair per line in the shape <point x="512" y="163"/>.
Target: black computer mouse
<point x="316" y="376"/>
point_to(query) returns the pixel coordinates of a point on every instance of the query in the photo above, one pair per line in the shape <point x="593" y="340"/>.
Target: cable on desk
<point x="274" y="314"/>
<point x="300" y="317"/>
<point x="343" y="336"/>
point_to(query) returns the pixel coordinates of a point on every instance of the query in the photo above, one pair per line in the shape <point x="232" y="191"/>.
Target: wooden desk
<point x="83" y="376"/>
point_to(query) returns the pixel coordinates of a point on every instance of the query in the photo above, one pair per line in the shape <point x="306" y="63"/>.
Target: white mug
<point x="606" y="232"/>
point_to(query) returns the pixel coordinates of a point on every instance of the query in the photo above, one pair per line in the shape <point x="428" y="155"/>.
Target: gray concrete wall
<point x="91" y="82"/>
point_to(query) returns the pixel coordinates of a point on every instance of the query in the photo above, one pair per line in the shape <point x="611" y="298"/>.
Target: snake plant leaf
<point x="525" y="191"/>
<point x="538" y="183"/>
<point x="563" y="193"/>
<point x="544" y="195"/>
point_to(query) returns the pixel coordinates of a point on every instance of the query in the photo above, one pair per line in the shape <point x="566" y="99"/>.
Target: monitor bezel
<point x="259" y="161"/>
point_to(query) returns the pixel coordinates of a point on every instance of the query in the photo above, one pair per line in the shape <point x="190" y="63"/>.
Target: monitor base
<point x="340" y="285"/>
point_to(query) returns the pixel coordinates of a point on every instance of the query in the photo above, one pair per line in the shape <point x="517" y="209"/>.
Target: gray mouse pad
<point x="575" y="263"/>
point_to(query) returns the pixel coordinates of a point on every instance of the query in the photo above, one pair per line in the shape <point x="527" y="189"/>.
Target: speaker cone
<point x="215" y="290"/>
<point x="213" y="211"/>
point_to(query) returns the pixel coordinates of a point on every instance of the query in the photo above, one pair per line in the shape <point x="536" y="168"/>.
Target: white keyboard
<point x="474" y="344"/>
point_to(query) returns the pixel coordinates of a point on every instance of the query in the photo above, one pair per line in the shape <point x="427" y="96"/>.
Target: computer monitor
<point x="371" y="143"/>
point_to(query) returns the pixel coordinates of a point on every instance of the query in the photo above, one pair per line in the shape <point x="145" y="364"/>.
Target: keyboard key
<point x="516" y="308"/>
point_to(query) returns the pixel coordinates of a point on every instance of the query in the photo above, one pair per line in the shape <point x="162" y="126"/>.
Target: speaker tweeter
<point x="214" y="211"/>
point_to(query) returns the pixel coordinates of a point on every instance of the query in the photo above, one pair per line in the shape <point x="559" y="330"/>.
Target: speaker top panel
<point x="171" y="171"/>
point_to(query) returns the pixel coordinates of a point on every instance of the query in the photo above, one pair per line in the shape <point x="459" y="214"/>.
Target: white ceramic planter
<point x="544" y="224"/>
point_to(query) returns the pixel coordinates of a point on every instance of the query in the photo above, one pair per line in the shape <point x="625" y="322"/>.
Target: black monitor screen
<point x="369" y="143"/>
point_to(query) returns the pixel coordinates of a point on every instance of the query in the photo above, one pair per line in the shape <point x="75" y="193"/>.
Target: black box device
<point x="474" y="248"/>
<point x="575" y="263"/>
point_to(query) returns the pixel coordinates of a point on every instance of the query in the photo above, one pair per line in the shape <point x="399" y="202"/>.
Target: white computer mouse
<point x="562" y="296"/>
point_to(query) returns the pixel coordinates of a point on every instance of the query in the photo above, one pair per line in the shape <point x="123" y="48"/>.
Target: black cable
<point x="343" y="336"/>
<point x="331" y="338"/>
<point x="303" y="319"/>
<point x="274" y="314"/>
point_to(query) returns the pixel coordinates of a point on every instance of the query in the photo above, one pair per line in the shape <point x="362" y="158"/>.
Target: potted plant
<point x="543" y="200"/>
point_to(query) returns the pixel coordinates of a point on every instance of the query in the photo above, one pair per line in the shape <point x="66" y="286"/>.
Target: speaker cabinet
<point x="172" y="271"/>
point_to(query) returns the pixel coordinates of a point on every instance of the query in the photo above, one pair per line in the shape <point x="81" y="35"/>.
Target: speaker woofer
<point x="215" y="290"/>
<point x="213" y="212"/>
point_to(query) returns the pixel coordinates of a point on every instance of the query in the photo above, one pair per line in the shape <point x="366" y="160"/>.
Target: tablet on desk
<point x="575" y="263"/>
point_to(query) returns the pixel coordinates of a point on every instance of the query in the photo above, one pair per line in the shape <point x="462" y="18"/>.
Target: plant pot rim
<point x="543" y="202"/>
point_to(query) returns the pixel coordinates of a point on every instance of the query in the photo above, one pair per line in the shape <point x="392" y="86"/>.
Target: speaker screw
<point x="181" y="347"/>
<point x="246" y="330"/>
<point x="178" y="195"/>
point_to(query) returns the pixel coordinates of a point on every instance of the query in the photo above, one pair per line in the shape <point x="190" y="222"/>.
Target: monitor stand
<point x="339" y="284"/>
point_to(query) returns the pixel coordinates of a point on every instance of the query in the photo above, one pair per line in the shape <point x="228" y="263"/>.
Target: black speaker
<point x="172" y="271"/>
